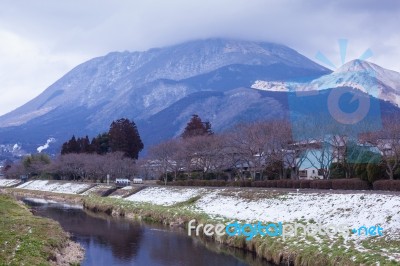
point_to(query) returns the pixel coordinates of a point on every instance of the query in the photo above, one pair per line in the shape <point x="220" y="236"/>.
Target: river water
<point x="117" y="241"/>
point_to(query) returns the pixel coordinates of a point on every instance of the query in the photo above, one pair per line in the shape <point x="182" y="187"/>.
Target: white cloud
<point x="42" y="40"/>
<point x="26" y="69"/>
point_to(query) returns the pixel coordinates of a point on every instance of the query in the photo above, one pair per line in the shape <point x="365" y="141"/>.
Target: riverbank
<point x="176" y="206"/>
<point x="30" y="240"/>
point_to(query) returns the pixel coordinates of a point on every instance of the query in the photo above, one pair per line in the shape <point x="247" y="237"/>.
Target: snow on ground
<point x="122" y="192"/>
<point x="116" y="196"/>
<point x="51" y="186"/>
<point x="165" y="196"/>
<point x="354" y="210"/>
<point x="8" y="182"/>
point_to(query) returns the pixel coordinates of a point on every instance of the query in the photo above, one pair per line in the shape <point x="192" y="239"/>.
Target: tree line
<point x="268" y="150"/>
<point x="111" y="153"/>
<point x="74" y="166"/>
<point x="123" y="136"/>
<point x="254" y="150"/>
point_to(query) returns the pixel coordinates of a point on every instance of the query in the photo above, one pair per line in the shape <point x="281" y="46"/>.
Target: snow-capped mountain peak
<point x="358" y="74"/>
<point x="357" y="65"/>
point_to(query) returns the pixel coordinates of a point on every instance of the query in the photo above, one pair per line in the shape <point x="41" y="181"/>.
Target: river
<point x="118" y="241"/>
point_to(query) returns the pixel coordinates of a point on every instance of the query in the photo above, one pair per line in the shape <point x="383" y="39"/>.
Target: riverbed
<point x="118" y="241"/>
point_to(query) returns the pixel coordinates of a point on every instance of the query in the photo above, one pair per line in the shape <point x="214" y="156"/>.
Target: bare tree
<point x="280" y="137"/>
<point x="69" y="166"/>
<point x="388" y="142"/>
<point x="162" y="158"/>
<point x="93" y="166"/>
<point x="321" y="157"/>
<point x="324" y="148"/>
<point x="118" y="165"/>
<point x="16" y="171"/>
<point x="253" y="145"/>
<point x="203" y="152"/>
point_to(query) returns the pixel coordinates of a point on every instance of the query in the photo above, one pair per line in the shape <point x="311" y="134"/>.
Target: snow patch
<point x="164" y="196"/>
<point x="9" y="182"/>
<point x="58" y="187"/>
<point x="16" y="147"/>
<point x="270" y="85"/>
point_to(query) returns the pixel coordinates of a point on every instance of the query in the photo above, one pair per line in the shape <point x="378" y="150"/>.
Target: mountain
<point x="162" y="86"/>
<point x="224" y="81"/>
<point x="361" y="75"/>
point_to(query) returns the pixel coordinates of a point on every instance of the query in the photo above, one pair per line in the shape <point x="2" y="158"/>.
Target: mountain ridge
<point x="162" y="86"/>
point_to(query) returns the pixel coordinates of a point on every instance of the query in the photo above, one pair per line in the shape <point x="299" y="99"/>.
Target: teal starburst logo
<point x="343" y="44"/>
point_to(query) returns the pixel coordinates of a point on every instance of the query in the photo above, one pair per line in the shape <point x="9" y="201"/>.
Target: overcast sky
<point x="43" y="39"/>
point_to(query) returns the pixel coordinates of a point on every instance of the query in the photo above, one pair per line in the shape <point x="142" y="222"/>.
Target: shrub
<point x="305" y="183"/>
<point x="178" y="183"/>
<point x="390" y="185"/>
<point x="201" y="183"/>
<point x="181" y="176"/>
<point x="217" y="183"/>
<point x="375" y="172"/>
<point x="210" y="176"/>
<point x="190" y="182"/>
<point x="321" y="184"/>
<point x="282" y="183"/>
<point x="234" y="184"/>
<point x="337" y="170"/>
<point x="360" y="170"/>
<point x="270" y="183"/>
<point x="258" y="184"/>
<point x="350" y="184"/>
<point x="295" y="183"/>
<point x="246" y="183"/>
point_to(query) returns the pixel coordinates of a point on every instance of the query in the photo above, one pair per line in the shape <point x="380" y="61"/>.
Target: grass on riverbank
<point x="26" y="239"/>
<point x="296" y="251"/>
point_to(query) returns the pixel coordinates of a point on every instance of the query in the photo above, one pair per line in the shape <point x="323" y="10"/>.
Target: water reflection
<point x="110" y="241"/>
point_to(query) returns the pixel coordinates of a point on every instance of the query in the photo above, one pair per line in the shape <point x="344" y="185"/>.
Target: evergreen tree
<point x="196" y="127"/>
<point x="84" y="145"/>
<point x="101" y="144"/>
<point x="64" y="148"/>
<point x="124" y="137"/>
<point x="73" y="145"/>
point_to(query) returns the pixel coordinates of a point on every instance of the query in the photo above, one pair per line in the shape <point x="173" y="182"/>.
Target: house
<point x="137" y="181"/>
<point x="314" y="158"/>
<point x="310" y="168"/>
<point x="122" y="182"/>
